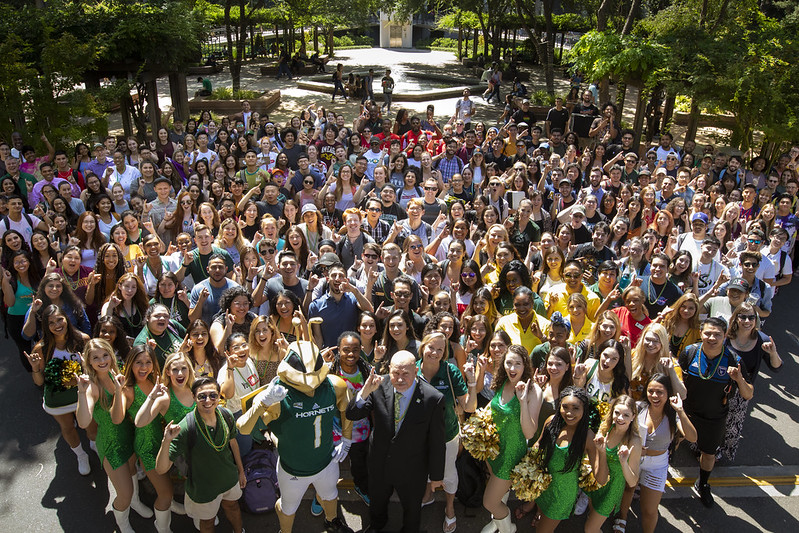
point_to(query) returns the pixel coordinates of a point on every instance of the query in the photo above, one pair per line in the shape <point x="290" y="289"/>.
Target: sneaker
<point x="316" y="507"/>
<point x="362" y="495"/>
<point x="703" y="492"/>
<point x="84" y="468"/>
<point x="337" y="525"/>
<point x="582" y="503"/>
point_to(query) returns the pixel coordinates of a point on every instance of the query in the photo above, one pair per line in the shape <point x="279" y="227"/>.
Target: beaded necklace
<point x="649" y="291"/>
<point x="204" y="430"/>
<point x="718" y="362"/>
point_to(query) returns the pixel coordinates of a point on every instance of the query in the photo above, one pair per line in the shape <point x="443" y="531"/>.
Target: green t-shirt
<point x="305" y="429"/>
<point x="441" y="382"/>
<point x="539" y="354"/>
<point x="26" y="182"/>
<point x="207" y="85"/>
<point x="212" y="472"/>
<point x="199" y="264"/>
<point x="166" y="343"/>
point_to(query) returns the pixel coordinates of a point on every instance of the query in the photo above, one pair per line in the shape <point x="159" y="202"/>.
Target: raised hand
<point x="171" y="431"/>
<point x="114" y="301"/>
<point x="667" y="363"/>
<point x="380" y="352"/>
<point x="82" y="381"/>
<point x="36" y="361"/>
<point x="273" y="394"/>
<point x="372" y="383"/>
<point x="769" y="346"/>
<point x="676" y="402"/>
<point x="580" y="371"/>
<point x="624" y="452"/>
<point x="540" y="378"/>
<point x="159" y="389"/>
<point x="381" y="312"/>
<point x="522" y="388"/>
<point x="599" y="441"/>
<point x="734" y="372"/>
<point x="469" y="372"/>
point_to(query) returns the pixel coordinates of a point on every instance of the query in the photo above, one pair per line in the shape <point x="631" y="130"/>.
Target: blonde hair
<point x="253" y="341"/>
<point x="631" y="435"/>
<point x="165" y="376"/>
<point x="238" y="241"/>
<point x="104" y="345"/>
<point x="639" y="352"/>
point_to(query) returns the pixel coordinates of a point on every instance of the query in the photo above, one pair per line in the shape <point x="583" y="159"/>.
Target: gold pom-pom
<point x="479" y="435"/>
<point x="587" y="480"/>
<point x="68" y="371"/>
<point x="529" y="479"/>
<point x="602" y="408"/>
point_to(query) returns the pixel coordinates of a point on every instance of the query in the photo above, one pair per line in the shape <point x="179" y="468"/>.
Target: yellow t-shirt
<point x="130" y="258"/>
<point x="510" y="325"/>
<point x="579" y="336"/>
<point x="563" y="301"/>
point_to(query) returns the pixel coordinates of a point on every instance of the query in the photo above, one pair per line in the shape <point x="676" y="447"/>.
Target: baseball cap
<point x="740" y="284"/>
<point x="98" y="145"/>
<point x="328" y="259"/>
<point x="645" y="171"/>
<point x="525" y="101"/>
<point x="523" y="124"/>
<point x="309" y="208"/>
<point x="699" y="216"/>
<point x="161" y="179"/>
<point x="374" y="140"/>
<point x="564" y="180"/>
<point x="578" y="209"/>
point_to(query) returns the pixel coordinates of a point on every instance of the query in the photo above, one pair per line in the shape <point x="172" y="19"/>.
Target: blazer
<point x="417" y="450"/>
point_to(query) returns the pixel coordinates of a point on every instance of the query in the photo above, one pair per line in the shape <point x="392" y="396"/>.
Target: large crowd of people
<point x="353" y="287"/>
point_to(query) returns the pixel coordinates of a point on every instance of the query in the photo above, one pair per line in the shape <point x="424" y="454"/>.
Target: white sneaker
<point x="582" y="503"/>
<point x="177" y="508"/>
<point x="84" y="467"/>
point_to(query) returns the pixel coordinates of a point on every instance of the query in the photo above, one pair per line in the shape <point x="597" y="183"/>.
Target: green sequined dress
<point x="607" y="498"/>
<point x="558" y="500"/>
<point x="114" y="441"/>
<point x="147" y="440"/>
<point x="176" y="410"/>
<point x="512" y="444"/>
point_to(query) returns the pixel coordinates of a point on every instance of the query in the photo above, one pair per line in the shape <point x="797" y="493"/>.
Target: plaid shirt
<point x="450" y="167"/>
<point x="379" y="233"/>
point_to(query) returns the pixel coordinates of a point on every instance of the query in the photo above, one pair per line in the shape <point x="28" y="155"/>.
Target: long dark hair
<point x="68" y="297"/>
<point x="74" y="338"/>
<point x="514" y="265"/>
<point x="549" y="436"/>
<point x="100" y="294"/>
<point x="388" y="340"/>
<point x="478" y="277"/>
<point x="621" y="382"/>
<point x="211" y="355"/>
<point x="120" y="344"/>
<point x="668" y="410"/>
<point x="34" y="271"/>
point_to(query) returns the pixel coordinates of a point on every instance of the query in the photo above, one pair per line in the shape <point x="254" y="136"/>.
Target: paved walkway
<point x="293" y="99"/>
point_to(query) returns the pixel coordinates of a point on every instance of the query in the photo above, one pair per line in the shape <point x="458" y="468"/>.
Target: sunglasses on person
<point x="203" y="396"/>
<point x="308" y="182"/>
<point x="267" y="251"/>
<point x="747" y="317"/>
<point x="370" y="256"/>
<point x="468" y="275"/>
<point x="754" y="241"/>
<point x="415" y="246"/>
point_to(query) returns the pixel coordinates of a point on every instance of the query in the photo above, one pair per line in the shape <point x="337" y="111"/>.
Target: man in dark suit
<point x="407" y="442"/>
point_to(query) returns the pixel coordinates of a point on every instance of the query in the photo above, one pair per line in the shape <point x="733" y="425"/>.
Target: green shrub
<point x="542" y="98"/>
<point x="226" y="93"/>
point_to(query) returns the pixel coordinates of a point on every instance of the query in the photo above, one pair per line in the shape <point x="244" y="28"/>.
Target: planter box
<point x="264" y="104"/>
<point x="271" y="70"/>
<point x="723" y="121"/>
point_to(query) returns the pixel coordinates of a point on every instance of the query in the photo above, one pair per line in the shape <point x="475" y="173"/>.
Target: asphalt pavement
<point x="42" y="491"/>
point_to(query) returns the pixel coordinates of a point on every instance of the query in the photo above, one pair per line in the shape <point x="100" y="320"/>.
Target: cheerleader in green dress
<point x="140" y="368"/>
<point x="623" y="452"/>
<point x="171" y="399"/>
<point x="101" y="397"/>
<point x="514" y="409"/>
<point x="564" y="440"/>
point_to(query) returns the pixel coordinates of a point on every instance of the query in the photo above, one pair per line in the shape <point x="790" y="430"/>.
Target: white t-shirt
<point x="787" y="268"/>
<point x="208" y="155"/>
<point x="708" y="274"/>
<point x="246" y="380"/>
<point x="125" y="179"/>
<point x="22" y="226"/>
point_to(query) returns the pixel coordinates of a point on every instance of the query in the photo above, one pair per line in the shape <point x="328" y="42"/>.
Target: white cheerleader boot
<point x="136" y="504"/>
<point x="505" y="525"/>
<point x="163" y="521"/>
<point x="491" y="527"/>
<point x="122" y="520"/>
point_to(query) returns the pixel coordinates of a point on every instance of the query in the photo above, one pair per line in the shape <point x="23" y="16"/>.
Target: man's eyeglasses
<point x="573" y="275"/>
<point x="267" y="251"/>
<point x="203" y="396"/>
<point x="754" y="241"/>
<point x="402" y="294"/>
<point x="370" y="256"/>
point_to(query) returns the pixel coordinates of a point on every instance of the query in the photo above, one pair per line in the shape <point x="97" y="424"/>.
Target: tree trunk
<point x="316" y="39"/>
<point x="330" y="41"/>
<point x="602" y="15"/>
<point x="693" y="121"/>
<point x="460" y="42"/>
<point x="303" y="48"/>
<point x="474" y="43"/>
<point x="640" y="112"/>
<point x="530" y="23"/>
<point x="631" y="16"/>
<point x="668" y="110"/>
<point x="235" y="71"/>
<point x="621" y="94"/>
<point x="482" y="22"/>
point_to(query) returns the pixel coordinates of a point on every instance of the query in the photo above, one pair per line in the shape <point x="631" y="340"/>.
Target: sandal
<point x="619" y="525"/>
<point x="523" y="510"/>
<point x="431" y="501"/>
<point x="450" y="524"/>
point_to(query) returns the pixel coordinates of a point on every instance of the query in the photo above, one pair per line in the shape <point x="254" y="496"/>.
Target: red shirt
<point x="386" y="144"/>
<point x="631" y="327"/>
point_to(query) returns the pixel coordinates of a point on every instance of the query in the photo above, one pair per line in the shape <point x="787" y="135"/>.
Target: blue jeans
<point x="338" y="86"/>
<point x="387" y="98"/>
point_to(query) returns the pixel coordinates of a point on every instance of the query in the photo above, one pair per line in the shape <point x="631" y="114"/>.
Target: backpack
<point x="335" y="76"/>
<point x="262" y="491"/>
<point x="183" y="463"/>
<point x="471" y="480"/>
<point x="25" y="215"/>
